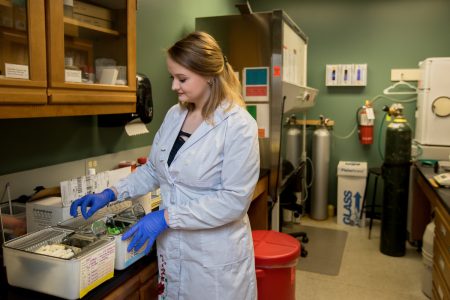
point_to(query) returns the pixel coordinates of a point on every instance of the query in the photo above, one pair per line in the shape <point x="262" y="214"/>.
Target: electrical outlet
<point x="405" y="74"/>
<point x="91" y="166"/>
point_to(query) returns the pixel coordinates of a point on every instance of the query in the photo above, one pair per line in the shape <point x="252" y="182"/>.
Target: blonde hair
<point x="200" y="53"/>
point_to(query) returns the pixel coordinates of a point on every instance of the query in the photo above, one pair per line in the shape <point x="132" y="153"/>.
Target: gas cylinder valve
<point x="394" y="110"/>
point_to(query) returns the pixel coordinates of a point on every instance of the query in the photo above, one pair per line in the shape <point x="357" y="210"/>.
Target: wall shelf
<point x="6" y="3"/>
<point x="72" y="25"/>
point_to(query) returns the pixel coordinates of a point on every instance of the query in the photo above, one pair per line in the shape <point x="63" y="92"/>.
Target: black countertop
<point x="442" y="193"/>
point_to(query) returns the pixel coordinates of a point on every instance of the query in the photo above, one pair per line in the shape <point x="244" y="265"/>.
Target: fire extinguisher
<point x="365" y="119"/>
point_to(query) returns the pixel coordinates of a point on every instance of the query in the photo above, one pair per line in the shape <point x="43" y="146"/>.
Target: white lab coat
<point x="207" y="252"/>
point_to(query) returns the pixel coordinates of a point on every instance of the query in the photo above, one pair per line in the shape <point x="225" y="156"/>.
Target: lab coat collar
<point x="220" y="114"/>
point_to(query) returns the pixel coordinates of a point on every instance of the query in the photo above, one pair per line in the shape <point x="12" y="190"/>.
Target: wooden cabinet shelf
<point x="24" y="47"/>
<point x="61" y="55"/>
<point x="12" y="34"/>
<point x="5" y="3"/>
<point x="72" y="25"/>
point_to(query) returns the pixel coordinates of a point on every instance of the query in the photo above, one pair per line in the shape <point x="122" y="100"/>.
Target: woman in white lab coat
<point x="205" y="160"/>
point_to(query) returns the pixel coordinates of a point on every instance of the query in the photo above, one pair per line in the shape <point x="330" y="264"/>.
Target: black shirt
<point x="179" y="141"/>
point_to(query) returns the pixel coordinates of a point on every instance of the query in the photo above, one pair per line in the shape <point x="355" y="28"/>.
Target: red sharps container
<point x="276" y="255"/>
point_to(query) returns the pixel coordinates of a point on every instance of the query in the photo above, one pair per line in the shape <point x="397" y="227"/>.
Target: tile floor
<point x="365" y="272"/>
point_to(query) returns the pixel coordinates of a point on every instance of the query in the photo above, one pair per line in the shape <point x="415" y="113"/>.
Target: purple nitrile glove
<point x="147" y="229"/>
<point x="93" y="201"/>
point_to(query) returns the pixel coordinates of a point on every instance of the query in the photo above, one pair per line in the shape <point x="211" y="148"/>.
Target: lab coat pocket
<point x="209" y="183"/>
<point x="202" y="177"/>
<point x="225" y="245"/>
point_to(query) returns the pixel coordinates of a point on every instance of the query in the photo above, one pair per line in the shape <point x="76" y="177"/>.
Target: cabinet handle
<point x="441" y="264"/>
<point x="440" y="292"/>
<point x="443" y="230"/>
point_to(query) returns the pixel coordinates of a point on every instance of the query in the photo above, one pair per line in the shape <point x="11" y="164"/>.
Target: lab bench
<point x="258" y="210"/>
<point x="139" y="281"/>
<point x="426" y="202"/>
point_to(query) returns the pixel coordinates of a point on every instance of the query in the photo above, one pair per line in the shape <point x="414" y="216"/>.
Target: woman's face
<point x="189" y="86"/>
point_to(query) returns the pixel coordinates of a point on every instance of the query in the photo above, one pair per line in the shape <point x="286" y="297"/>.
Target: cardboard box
<point x="150" y="202"/>
<point x="351" y="186"/>
<point x="90" y="10"/>
<point x="93" y="21"/>
<point x="83" y="185"/>
<point x="46" y="212"/>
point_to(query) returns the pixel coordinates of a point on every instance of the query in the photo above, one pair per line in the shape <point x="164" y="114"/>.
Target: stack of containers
<point x="427" y="259"/>
<point x="96" y="242"/>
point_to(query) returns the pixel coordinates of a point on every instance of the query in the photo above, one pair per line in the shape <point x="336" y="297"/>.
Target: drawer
<point x="439" y="287"/>
<point x="441" y="260"/>
<point x="442" y="230"/>
<point x="149" y="291"/>
<point x="127" y="291"/>
<point x="148" y="272"/>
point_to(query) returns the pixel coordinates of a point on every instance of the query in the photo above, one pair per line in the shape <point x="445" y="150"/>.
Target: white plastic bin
<point x="427" y="259"/>
<point x="351" y="184"/>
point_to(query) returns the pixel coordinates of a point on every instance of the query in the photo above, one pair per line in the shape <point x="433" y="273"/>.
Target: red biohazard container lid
<point x="142" y="160"/>
<point x="274" y="248"/>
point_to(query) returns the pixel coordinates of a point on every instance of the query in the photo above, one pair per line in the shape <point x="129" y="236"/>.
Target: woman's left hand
<point x="147" y="229"/>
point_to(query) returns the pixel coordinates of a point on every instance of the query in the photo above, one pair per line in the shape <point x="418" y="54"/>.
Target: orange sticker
<point x="261" y="132"/>
<point x="276" y="71"/>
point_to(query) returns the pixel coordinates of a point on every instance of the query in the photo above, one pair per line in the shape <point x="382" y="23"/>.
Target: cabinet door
<point x="149" y="290"/>
<point x="92" y="53"/>
<point x="149" y="282"/>
<point x="23" y="76"/>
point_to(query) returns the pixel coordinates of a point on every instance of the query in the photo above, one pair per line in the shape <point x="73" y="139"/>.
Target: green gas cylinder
<point x="398" y="142"/>
<point x="395" y="172"/>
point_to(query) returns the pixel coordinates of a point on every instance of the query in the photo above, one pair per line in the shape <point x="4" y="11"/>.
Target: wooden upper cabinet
<point x="81" y="56"/>
<point x="23" y="73"/>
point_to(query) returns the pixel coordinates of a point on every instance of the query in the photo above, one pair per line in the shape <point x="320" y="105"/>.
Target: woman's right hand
<point x="93" y="201"/>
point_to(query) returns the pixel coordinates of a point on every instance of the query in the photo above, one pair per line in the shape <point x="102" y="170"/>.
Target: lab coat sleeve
<point x="240" y="172"/>
<point x="144" y="179"/>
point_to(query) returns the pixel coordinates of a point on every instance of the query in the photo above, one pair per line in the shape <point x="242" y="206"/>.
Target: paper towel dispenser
<point x="144" y="106"/>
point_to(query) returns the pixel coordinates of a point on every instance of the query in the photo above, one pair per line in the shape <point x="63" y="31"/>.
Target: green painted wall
<point x="384" y="34"/>
<point x="32" y="143"/>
